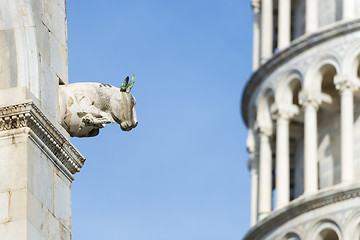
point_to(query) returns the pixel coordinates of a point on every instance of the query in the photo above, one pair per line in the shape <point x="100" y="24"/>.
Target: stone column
<point x="256" y="34"/>
<point x="265" y="175"/>
<point x="348" y="9"/>
<point x="310" y="101"/>
<point x="346" y="87"/>
<point x="284" y="22"/>
<point x="266" y="30"/>
<point x="311" y="21"/>
<point x="282" y="113"/>
<point x="254" y="169"/>
<point x="253" y="164"/>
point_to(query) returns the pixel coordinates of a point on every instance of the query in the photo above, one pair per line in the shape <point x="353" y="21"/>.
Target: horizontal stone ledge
<point x="28" y="115"/>
<point x="301" y="205"/>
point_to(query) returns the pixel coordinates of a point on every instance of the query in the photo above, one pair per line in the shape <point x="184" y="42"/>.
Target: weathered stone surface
<point x="37" y="160"/>
<point x="87" y="107"/>
<point x="14" y="230"/>
<point x="12" y="164"/>
<point x="62" y="201"/>
<point x="4" y="206"/>
<point x="36" y="167"/>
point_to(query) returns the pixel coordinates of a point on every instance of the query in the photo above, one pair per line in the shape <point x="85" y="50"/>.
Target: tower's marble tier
<point x="301" y="109"/>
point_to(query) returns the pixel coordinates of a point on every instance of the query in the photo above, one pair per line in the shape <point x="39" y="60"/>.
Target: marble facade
<point x="301" y="109"/>
<point x="37" y="160"/>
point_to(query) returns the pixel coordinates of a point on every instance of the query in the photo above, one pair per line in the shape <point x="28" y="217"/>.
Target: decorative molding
<point x="27" y="114"/>
<point x="298" y="207"/>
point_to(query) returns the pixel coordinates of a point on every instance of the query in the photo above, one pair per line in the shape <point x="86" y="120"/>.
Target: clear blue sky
<point x="182" y="173"/>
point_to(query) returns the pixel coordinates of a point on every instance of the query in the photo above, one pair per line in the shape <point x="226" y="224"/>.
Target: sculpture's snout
<point x="127" y="126"/>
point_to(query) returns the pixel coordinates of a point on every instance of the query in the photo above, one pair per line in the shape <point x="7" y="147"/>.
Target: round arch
<point x="326" y="229"/>
<point x="291" y="236"/>
<point x="313" y="76"/>
<point x="288" y="87"/>
<point x="351" y="61"/>
<point x="352" y="230"/>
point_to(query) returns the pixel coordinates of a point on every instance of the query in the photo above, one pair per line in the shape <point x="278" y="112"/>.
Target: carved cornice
<point x="301" y="206"/>
<point x="27" y="114"/>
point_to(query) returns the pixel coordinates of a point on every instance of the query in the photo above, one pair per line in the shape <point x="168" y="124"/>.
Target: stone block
<point x="12" y="95"/>
<point x="17" y="205"/>
<point x="54" y="19"/>
<point x="53" y="229"/>
<point x="15" y="15"/>
<point x="62" y="201"/>
<point x="13" y="230"/>
<point x="13" y="164"/>
<point x="24" y="14"/>
<point x="36" y="212"/>
<point x="4" y="207"/>
<point x="43" y="36"/>
<point x="40" y="171"/>
<point x="49" y="83"/>
<point x="59" y="58"/>
<point x="33" y="233"/>
<point x="8" y="59"/>
<point x="5" y="16"/>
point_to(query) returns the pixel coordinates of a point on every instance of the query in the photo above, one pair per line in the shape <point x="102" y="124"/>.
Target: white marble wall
<point x="33" y="48"/>
<point x="35" y="199"/>
<point x="35" y="191"/>
<point x="329" y="148"/>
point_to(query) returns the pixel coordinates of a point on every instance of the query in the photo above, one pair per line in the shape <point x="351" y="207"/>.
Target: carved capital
<point x="309" y="98"/>
<point x="256" y="4"/>
<point x="28" y="115"/>
<point x="283" y="111"/>
<point x="342" y="83"/>
<point x="250" y="142"/>
<point x="265" y="131"/>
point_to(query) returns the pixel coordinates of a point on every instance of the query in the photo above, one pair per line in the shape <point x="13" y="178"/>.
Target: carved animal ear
<point x="131" y="84"/>
<point x="124" y="85"/>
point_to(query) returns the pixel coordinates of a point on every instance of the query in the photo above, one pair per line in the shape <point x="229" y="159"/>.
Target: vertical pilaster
<point x="284" y="22"/>
<point x="265" y="175"/>
<point x="256" y="34"/>
<point x="310" y="102"/>
<point x="266" y="30"/>
<point x="311" y="21"/>
<point x="346" y="87"/>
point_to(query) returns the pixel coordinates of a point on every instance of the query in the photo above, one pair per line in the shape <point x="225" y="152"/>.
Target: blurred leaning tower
<point x="302" y="109"/>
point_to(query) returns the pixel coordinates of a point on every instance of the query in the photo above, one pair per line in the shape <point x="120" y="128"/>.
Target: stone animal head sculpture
<point x="87" y="107"/>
